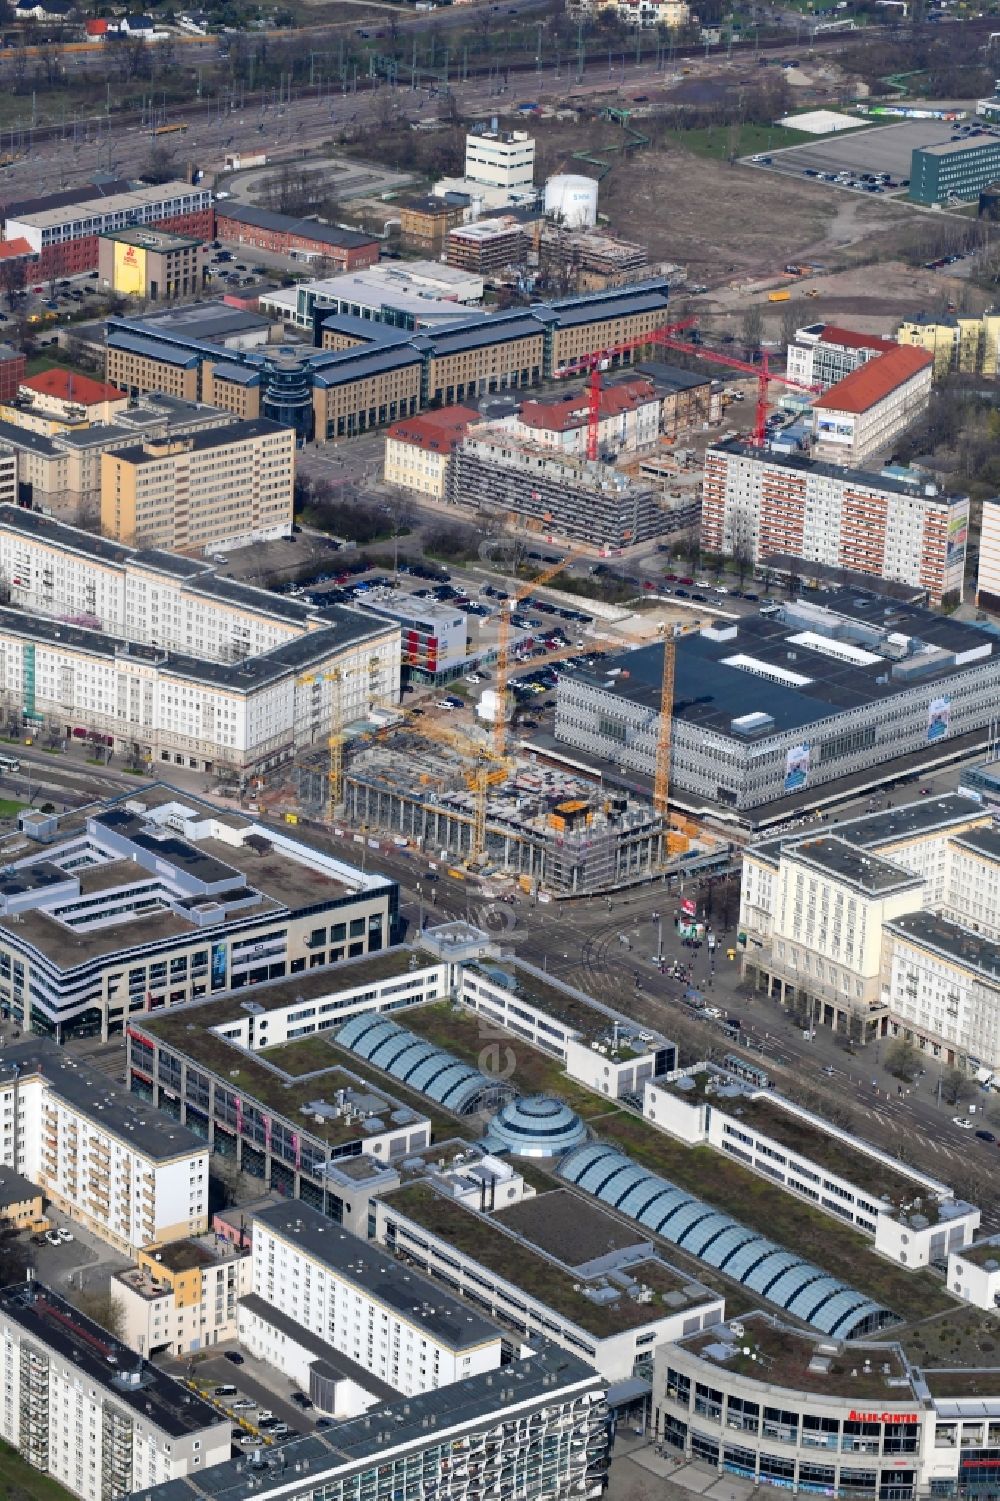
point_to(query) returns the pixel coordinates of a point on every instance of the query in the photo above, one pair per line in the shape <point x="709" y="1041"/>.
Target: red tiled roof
<point x="11" y="249"/>
<point x="66" y="385"/>
<point x="438" y="431"/>
<point x="871" y="383"/>
<point x="852" y="340"/>
<point x="571" y="411"/>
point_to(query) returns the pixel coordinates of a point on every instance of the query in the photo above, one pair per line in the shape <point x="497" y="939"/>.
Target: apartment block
<point x="863" y="414"/>
<point x="224" y="487"/>
<point x="527" y="485"/>
<point x="90" y="1413"/>
<point x="424" y="222"/>
<point x="66" y="235"/>
<point x="988" y="577"/>
<point x="762" y="503"/>
<point x="487" y="246"/>
<point x="542" y="1427"/>
<point x="131" y="1176"/>
<point x="823" y="353"/>
<point x="405" y="1330"/>
<point x="145" y="908"/>
<point x="181" y="1296"/>
<point x="418" y="449"/>
<point x="941" y="990"/>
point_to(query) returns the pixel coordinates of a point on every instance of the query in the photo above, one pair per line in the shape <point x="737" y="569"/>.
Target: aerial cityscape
<point x="500" y="750"/>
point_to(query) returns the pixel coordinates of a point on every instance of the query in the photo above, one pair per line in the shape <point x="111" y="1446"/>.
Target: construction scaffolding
<point x="543" y="825"/>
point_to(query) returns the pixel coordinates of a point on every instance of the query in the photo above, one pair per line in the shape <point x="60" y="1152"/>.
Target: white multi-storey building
<point x="988" y="580"/>
<point x="941" y="989"/>
<point x="500" y="159"/>
<point x="170" y="663"/>
<point x="822" y="353"/>
<point x="760" y="503"/>
<point x="88" y="1411"/>
<point x="182" y="1295"/>
<point x="125" y="1171"/>
<point x="405" y="1330"/>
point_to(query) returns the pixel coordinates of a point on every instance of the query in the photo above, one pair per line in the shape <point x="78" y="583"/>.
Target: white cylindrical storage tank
<point x="572" y="200"/>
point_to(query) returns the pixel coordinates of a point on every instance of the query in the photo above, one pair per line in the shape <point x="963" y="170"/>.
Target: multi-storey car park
<point x="335" y="391"/>
<point x="159" y="898"/>
<point x="843" y="685"/>
<point x="170" y="663"/>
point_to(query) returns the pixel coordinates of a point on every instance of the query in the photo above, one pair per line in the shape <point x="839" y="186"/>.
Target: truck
<point x="781" y="296"/>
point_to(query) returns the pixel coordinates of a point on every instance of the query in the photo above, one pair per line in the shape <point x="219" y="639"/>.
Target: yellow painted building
<point x="20" y="1201"/>
<point x="182" y="1296"/>
<point x="957" y="341"/>
<point x="226" y="486"/>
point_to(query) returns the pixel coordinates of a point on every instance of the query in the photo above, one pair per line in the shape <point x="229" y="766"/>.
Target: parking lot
<point x="84" y="1263"/>
<point x="262" y="1385"/>
<point x="884" y="149"/>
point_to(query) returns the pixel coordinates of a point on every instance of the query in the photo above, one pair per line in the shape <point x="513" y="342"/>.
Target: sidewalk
<point x="636" y="1464"/>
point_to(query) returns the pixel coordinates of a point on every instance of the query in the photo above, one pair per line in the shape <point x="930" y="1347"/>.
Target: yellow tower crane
<point x="335" y="739"/>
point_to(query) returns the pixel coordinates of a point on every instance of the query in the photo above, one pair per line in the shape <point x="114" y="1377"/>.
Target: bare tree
<point x="752" y="331"/>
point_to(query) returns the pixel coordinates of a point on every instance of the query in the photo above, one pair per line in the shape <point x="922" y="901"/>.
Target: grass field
<point x="723" y="141"/>
<point x="9" y="808"/>
<point x="19" y="1482"/>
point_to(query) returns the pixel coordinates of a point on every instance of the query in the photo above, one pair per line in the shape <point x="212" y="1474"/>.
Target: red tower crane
<point x="667" y="337"/>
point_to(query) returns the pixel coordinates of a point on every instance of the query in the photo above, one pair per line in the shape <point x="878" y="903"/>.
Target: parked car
<point x="235" y="1357"/>
<point x="65" y="1236"/>
<point x="301" y="1400"/>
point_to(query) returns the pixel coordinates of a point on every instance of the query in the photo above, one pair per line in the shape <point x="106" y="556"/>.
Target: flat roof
<point x="154" y="1397"/>
<point x="515" y="1260"/>
<point x="718" y="676"/>
<point x="151" y="239"/>
<point x="94" y="1095"/>
<point x="153" y="450"/>
<point x="959" y="945"/>
<point x="579" y="1012"/>
<point x="83" y="193"/>
<point x="982" y="842"/>
<point x="785" y="1357"/>
<point x="572" y="1229"/>
<point x="413" y="1298"/>
<point x="845" y="862"/>
<point x="137" y="197"/>
<point x="543" y="1376"/>
<point x="892" y="827"/>
<point x="852" y="478"/>
<point x="957" y="148"/>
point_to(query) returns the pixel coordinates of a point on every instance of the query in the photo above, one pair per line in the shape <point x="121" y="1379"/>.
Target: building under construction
<point x="543" y="824"/>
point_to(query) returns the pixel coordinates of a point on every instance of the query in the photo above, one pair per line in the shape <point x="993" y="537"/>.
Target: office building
<point x="758" y="503"/>
<point x="954" y="170"/>
<point x="398" y="294"/>
<point x="405" y="1330"/>
<point x="988" y="577"/>
<point x="134" y="908"/>
<point x="550" y="1265"/>
<point x="130" y="1175"/>
<point x="753" y="726"/>
<point x="221" y="488"/>
<point x="542" y="1429"/>
<point x="181" y="1297"/>
<point x="487" y="246"/>
<point x="303" y="239"/>
<point x="958" y="341"/>
<point x="418" y="449"/>
<point x="153" y="263"/>
<point x="433" y="637"/>
<point x="822" y="354"/>
<point x="941" y="988"/>
<point x="501" y="159"/>
<point x="370" y="373"/>
<point x="863" y="414"/>
<point x="550" y="493"/>
<point x="66" y="235"/>
<point x="91" y="1413"/>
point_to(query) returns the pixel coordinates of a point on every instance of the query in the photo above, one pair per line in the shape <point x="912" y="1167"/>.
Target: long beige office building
<point x="224" y="487"/>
